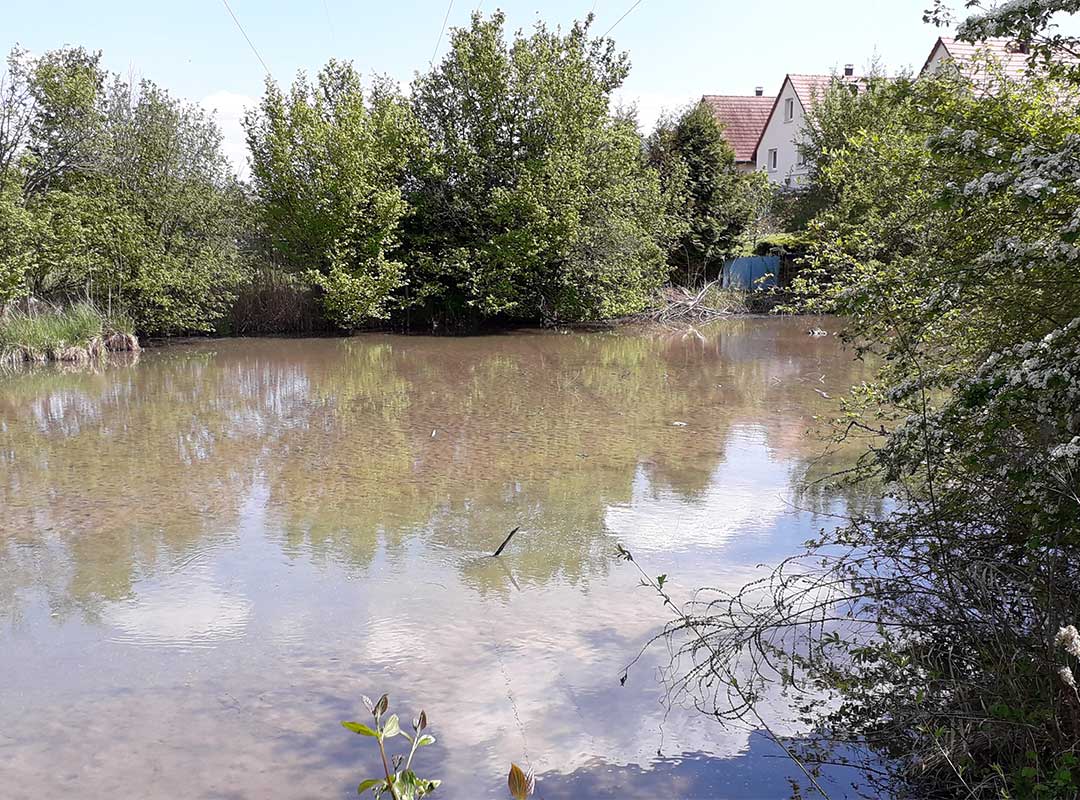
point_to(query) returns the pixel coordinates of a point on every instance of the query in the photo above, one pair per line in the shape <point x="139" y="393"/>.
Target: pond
<point x="208" y="553"/>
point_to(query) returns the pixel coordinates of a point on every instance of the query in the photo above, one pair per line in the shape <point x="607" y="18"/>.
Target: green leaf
<point x="425" y="740"/>
<point x="370" y="784"/>
<point x="392" y="727"/>
<point x="358" y="727"/>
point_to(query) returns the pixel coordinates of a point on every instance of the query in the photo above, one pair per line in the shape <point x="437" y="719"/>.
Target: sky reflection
<point x="208" y="555"/>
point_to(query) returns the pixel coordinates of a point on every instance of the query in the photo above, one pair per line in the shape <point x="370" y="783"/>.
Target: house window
<point x="789" y="109"/>
<point x="772" y="160"/>
<point x="800" y="159"/>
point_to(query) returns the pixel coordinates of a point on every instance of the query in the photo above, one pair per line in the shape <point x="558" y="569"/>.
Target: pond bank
<point x="77" y="334"/>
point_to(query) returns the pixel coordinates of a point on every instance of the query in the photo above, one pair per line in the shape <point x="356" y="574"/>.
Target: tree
<point x="178" y="208"/>
<point x="17" y="230"/>
<point x="698" y="168"/>
<point x="114" y="193"/>
<point x="940" y="639"/>
<point x="65" y="88"/>
<point x="534" y="201"/>
<point x="328" y="164"/>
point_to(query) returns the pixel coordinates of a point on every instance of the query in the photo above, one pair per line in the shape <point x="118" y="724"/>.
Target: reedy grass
<point x="77" y="333"/>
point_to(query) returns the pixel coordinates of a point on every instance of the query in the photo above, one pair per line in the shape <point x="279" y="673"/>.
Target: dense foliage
<point x="535" y="201"/>
<point x="328" y="163"/>
<point x="504" y="186"/>
<point x="941" y="639"/>
<point x="113" y="193"/>
<point x="832" y="118"/>
<point x="697" y="166"/>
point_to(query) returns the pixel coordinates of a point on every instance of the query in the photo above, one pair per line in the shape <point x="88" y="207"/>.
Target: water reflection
<point x="205" y="557"/>
<point x="690" y="776"/>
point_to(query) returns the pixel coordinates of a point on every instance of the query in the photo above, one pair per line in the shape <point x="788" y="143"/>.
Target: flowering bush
<point x="939" y="640"/>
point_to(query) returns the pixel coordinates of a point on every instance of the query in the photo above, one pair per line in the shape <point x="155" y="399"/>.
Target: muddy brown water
<point x="208" y="553"/>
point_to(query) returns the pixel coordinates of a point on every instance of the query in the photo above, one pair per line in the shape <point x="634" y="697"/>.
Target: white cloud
<point x="228" y="108"/>
<point x="188" y="611"/>
<point x="746" y="495"/>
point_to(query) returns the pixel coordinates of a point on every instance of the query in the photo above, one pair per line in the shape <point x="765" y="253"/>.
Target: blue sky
<point x="680" y="49"/>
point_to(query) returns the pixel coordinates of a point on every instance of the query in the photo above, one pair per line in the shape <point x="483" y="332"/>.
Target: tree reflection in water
<point x="241" y="536"/>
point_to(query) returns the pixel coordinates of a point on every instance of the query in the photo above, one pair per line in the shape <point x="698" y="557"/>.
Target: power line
<point x="442" y="30"/>
<point x="330" y="24"/>
<point x="246" y="38"/>
<point x="620" y="19"/>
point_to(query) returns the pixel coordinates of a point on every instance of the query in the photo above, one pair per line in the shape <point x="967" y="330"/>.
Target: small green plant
<point x="399" y="781"/>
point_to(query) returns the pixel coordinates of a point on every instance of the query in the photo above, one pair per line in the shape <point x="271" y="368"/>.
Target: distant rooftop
<point x="743" y="118"/>
<point x="966" y="55"/>
<point x="807" y="87"/>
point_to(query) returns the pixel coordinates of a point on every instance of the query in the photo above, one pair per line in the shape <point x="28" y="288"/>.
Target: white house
<point x="777" y="151"/>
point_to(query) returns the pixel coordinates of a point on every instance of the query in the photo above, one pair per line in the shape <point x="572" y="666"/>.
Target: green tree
<point x="941" y="637"/>
<point x="65" y="91"/>
<point x="698" y="168"/>
<point x="839" y="113"/>
<point x="328" y="162"/>
<point x="114" y="193"/>
<point x="163" y="162"/>
<point x="535" y="201"/>
<point x="17" y="229"/>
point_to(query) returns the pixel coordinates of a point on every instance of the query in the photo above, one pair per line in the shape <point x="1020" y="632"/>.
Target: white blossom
<point x="1067" y="676"/>
<point x="1068" y="638"/>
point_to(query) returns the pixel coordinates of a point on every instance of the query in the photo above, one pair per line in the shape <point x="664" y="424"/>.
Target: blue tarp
<point x="746" y="273"/>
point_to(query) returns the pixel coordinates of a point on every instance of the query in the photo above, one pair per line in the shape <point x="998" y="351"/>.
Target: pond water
<point x="208" y="554"/>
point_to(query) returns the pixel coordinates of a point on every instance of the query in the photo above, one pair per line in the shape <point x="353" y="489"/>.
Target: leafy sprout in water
<point x="398" y="781"/>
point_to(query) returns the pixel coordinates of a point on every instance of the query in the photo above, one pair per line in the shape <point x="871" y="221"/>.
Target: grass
<point x="727" y="301"/>
<point x="77" y="333"/>
<point x="275" y="301"/>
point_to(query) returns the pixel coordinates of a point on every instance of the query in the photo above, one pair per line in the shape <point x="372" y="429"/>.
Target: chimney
<point x="759" y="91"/>
<point x="849" y="70"/>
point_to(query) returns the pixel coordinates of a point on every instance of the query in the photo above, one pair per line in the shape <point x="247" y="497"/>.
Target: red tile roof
<point x="743" y="119"/>
<point x="807" y="88"/>
<point x="966" y="55"/>
<point x="810" y="87"/>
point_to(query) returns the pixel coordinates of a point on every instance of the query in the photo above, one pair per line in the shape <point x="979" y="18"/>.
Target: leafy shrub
<point x="939" y="637"/>
<point x="115" y="193"/>
<point x="697" y="166"/>
<point x="534" y="201"/>
<point x="328" y="163"/>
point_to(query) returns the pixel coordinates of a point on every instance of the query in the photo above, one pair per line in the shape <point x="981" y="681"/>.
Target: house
<point x="969" y="58"/>
<point x="777" y="148"/>
<point x="743" y="118"/>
